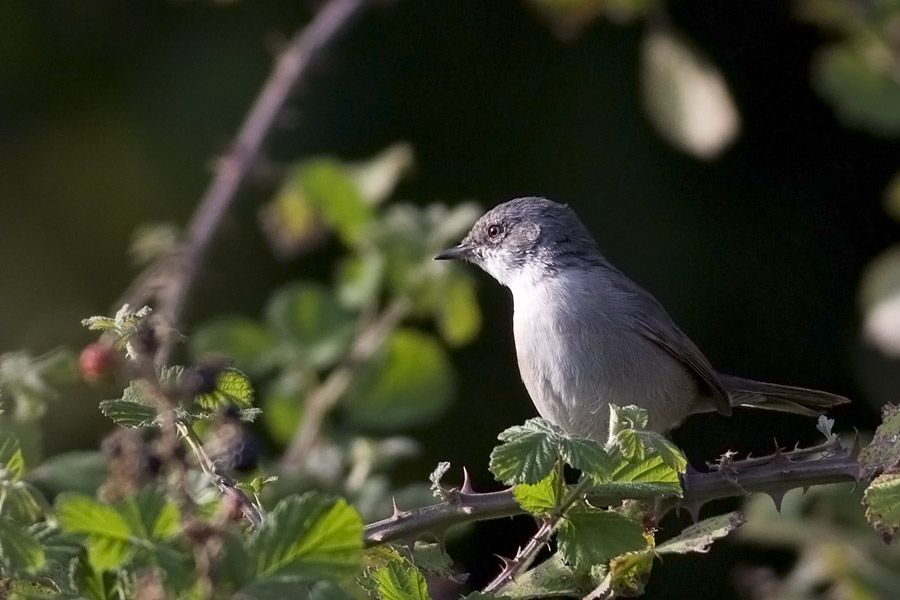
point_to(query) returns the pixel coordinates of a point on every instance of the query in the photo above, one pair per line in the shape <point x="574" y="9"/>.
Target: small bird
<point x="588" y="336"/>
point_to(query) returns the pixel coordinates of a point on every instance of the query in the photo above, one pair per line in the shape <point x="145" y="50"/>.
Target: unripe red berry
<point x="97" y="361"/>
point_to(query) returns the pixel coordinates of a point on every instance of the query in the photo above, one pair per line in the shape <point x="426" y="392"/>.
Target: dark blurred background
<point x="111" y="114"/>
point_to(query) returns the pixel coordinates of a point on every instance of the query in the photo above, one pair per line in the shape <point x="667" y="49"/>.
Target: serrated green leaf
<point x="312" y="320"/>
<point x="882" y="500"/>
<point x="409" y="383"/>
<point x="150" y="515"/>
<point x="245" y="341"/>
<point x="432" y="557"/>
<point x="232" y="388"/>
<point x="629" y="572"/>
<point x="627" y="417"/>
<point x="588" y="538"/>
<point x="12" y="463"/>
<point x="650" y="474"/>
<point x="883" y="452"/>
<point x="528" y="452"/>
<point x="542" y="497"/>
<point x="458" y="314"/>
<point x="656" y="444"/>
<point x="20" y="551"/>
<point x="21" y="501"/>
<point x="128" y="414"/>
<point x="396" y="580"/>
<point x="308" y="538"/>
<point x="587" y="456"/>
<point x="108" y="534"/>
<point x="700" y="536"/>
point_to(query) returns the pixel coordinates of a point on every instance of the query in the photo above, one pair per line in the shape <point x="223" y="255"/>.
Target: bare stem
<point x="324" y="398"/>
<point x="774" y="477"/>
<point x="170" y="281"/>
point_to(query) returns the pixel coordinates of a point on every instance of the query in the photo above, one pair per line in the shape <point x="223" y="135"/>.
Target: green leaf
<point x="232" y="388"/>
<point x="21" y="501"/>
<point x="587" y="456"/>
<point x="128" y="414"/>
<point x="248" y="343"/>
<point x="308" y="538"/>
<point x="882" y="500"/>
<point x="359" y="279"/>
<point x="150" y="515"/>
<point x="699" y="537"/>
<point x="12" y="463"/>
<point x="542" y="497"/>
<point x="883" y="452"/>
<point x="432" y="557"/>
<point x="649" y="476"/>
<point x="409" y="383"/>
<point x="588" y="538"/>
<point x="328" y="187"/>
<point x="313" y="321"/>
<point x="283" y="404"/>
<point x="396" y="580"/>
<point x="82" y="471"/>
<point x="108" y="534"/>
<point x="20" y="551"/>
<point x="377" y="177"/>
<point x="549" y="579"/>
<point x="655" y="444"/>
<point x="528" y="452"/>
<point x="629" y="572"/>
<point x="627" y="417"/>
<point x="458" y="314"/>
<point x="326" y="590"/>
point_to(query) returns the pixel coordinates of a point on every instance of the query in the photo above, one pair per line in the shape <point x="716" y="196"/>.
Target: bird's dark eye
<point x="494" y="230"/>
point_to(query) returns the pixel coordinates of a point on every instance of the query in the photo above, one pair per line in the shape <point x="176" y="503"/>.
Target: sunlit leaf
<point x="128" y="414"/>
<point x="882" y="500"/>
<point x="233" y="388"/>
<point x="528" y="452"/>
<point x="458" y="314"/>
<point x="541" y="497"/>
<point x="686" y="97"/>
<point x="861" y="84"/>
<point x="587" y="456"/>
<point x="313" y="321"/>
<point x="699" y="537"/>
<point x="20" y="551"/>
<point x="409" y="383"/>
<point x="377" y="177"/>
<point x="396" y="580"/>
<point x="308" y="538"/>
<point x="359" y="279"/>
<point x="245" y="341"/>
<point x="107" y="532"/>
<point x="883" y="452"/>
<point x="12" y="463"/>
<point x="588" y="538"/>
<point x="629" y="572"/>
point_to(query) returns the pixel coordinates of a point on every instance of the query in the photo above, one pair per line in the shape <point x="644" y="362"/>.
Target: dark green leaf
<point x="128" y="414"/>
<point x="233" y="388"/>
<point x="150" y="515"/>
<point x="588" y="538"/>
<point x="396" y="580"/>
<point x="409" y="383"/>
<point x="76" y="471"/>
<point x="308" y="538"/>
<point x="313" y="321"/>
<point x="700" y="536"/>
<point x="528" y="452"/>
<point x="549" y="579"/>
<point x="19" y="550"/>
<point x="587" y="456"/>
<point x="883" y="452"/>
<point x="248" y="343"/>
<point x="432" y="557"/>
<point x="334" y="195"/>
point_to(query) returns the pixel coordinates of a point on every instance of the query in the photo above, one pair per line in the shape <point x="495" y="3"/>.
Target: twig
<point x="170" y="280"/>
<point x="774" y="477"/>
<point x="324" y="398"/>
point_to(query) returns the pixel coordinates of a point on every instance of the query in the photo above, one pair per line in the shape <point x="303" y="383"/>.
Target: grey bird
<point x="588" y="336"/>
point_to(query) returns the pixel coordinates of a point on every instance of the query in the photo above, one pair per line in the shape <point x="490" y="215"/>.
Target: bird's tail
<point x="783" y="398"/>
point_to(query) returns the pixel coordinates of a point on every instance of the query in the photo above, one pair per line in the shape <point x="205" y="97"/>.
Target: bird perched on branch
<point x="588" y="336"/>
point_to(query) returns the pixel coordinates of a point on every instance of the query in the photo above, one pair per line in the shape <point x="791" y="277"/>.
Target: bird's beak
<point x="459" y="251"/>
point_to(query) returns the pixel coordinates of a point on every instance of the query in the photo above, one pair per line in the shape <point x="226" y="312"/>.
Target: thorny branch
<point x="773" y="475"/>
<point x="169" y="281"/>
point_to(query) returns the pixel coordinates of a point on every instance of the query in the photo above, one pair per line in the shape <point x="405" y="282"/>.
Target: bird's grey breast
<point x="577" y="353"/>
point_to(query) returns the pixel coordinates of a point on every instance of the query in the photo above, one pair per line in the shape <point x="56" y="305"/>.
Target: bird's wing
<point x="675" y="342"/>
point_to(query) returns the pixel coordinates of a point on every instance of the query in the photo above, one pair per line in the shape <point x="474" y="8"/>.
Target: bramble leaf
<point x="20" y="551"/>
<point x="232" y="388"/>
<point x="882" y="500"/>
<point x="528" y="452"/>
<point x="541" y="497"/>
<point x="883" y="452"/>
<point x="306" y="538"/>
<point x="700" y="536"/>
<point x="588" y="538"/>
<point x="108" y="534"/>
<point x="128" y="414"/>
<point x="587" y="456"/>
<point x="396" y="579"/>
<point x="245" y="341"/>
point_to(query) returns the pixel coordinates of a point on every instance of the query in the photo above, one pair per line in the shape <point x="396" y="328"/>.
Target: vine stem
<point x="170" y="280"/>
<point x="325" y="397"/>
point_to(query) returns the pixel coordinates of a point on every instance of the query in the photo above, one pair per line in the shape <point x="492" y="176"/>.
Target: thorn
<point x="777" y="497"/>
<point x="467" y="483"/>
<point x="397" y="512"/>
<point x="780" y="459"/>
<point x="507" y="563"/>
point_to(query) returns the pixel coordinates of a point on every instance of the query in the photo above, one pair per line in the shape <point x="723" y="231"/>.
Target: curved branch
<point x="774" y="477"/>
<point x="170" y="281"/>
